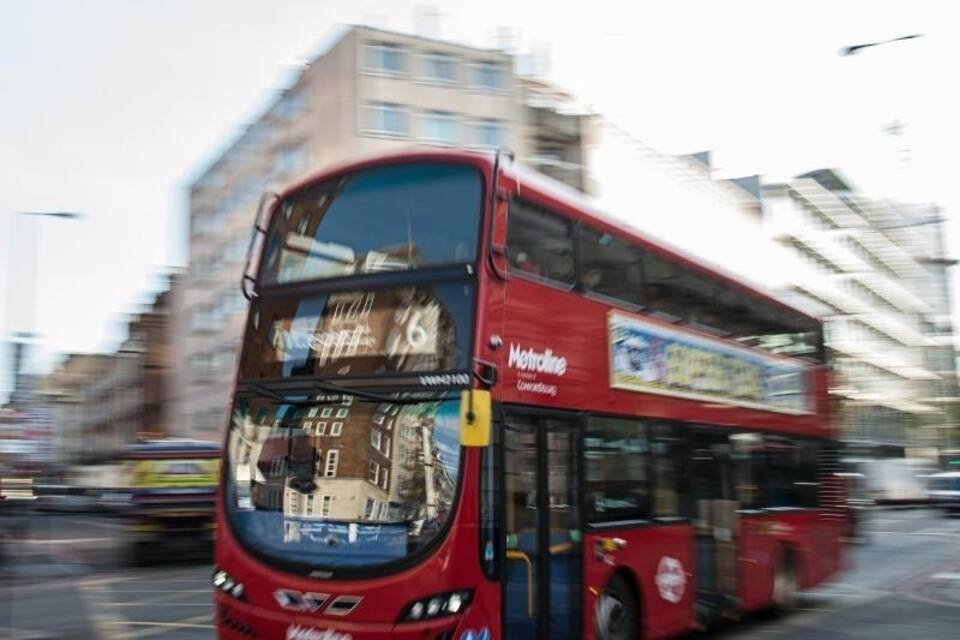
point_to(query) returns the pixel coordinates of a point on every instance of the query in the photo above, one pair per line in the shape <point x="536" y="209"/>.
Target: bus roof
<point x="549" y="188"/>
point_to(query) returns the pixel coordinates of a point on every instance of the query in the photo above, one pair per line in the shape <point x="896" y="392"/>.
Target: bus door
<point x="542" y="563"/>
<point x="714" y="514"/>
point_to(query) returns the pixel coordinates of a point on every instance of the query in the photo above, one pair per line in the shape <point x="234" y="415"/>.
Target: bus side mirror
<point x="475" y="418"/>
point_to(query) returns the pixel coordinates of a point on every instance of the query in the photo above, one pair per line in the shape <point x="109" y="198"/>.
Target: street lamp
<point x="27" y="285"/>
<point x="851" y="50"/>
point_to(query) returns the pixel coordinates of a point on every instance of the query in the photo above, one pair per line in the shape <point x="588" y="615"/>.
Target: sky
<point x="110" y="107"/>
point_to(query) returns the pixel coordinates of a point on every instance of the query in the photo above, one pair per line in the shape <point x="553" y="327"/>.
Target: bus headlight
<point x="444" y="604"/>
<point x="224" y="582"/>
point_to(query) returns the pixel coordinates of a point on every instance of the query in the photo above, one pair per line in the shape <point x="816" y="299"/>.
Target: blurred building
<point x="371" y="91"/>
<point x="64" y="394"/>
<point x="101" y="402"/>
<point x="877" y="272"/>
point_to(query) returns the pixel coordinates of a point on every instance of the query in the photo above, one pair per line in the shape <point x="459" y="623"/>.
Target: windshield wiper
<point x="269" y="394"/>
<point x="338" y="388"/>
<point x="332" y="387"/>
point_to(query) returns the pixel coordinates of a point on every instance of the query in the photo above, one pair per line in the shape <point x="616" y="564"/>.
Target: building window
<point x="343" y="413"/>
<point x="487" y="76"/>
<point x="312" y="412"/>
<point x="440" y="68"/>
<point x="386" y="446"/>
<point x="384" y="477"/>
<point x="336" y="428"/>
<point x="368" y="508"/>
<point x="293" y="504"/>
<point x="205" y="319"/>
<point x="321" y="428"/>
<point x="325" y="502"/>
<point x="333" y="460"/>
<point x="488" y="133"/>
<point x="291" y="160"/>
<point x="375" y="439"/>
<point x="385" y="118"/>
<point x="373" y="471"/>
<point x="384" y="57"/>
<point x="309" y="510"/>
<point x="439" y="126"/>
<point x="308" y="425"/>
<point x="290" y="107"/>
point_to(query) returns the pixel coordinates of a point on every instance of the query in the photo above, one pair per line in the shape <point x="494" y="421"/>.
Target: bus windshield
<point x="337" y="481"/>
<point x="390" y="218"/>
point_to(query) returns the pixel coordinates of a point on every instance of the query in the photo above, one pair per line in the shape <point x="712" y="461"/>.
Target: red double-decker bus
<point x="469" y="407"/>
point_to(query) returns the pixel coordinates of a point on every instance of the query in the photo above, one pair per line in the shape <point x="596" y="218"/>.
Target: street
<point x="68" y="581"/>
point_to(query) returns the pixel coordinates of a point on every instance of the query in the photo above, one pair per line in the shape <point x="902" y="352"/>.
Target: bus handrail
<point x="514" y="554"/>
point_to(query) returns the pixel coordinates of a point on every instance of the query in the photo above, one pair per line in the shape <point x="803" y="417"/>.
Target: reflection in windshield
<point x="390" y="218"/>
<point x="395" y="329"/>
<point x="340" y="481"/>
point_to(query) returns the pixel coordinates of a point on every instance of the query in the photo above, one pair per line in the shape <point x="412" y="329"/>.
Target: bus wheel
<point x="785" y="583"/>
<point x="615" y="615"/>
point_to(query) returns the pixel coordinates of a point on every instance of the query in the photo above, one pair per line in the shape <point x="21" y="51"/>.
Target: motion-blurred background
<point x="805" y="147"/>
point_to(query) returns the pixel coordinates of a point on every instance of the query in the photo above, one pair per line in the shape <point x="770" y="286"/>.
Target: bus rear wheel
<point x="615" y="616"/>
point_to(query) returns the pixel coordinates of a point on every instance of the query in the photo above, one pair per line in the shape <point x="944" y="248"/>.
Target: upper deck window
<point x="540" y="243"/>
<point x="391" y="218"/>
<point x="679" y="294"/>
<point x="611" y="267"/>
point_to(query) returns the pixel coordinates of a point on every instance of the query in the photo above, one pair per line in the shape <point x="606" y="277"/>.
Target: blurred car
<point x="67" y="501"/>
<point x="944" y="491"/>
<point x="168" y="497"/>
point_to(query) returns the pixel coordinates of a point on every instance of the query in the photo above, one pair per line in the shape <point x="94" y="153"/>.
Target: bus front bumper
<point x="237" y="620"/>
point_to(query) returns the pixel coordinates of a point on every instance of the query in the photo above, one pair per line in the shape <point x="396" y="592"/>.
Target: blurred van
<point x="897" y="480"/>
<point x="944" y="491"/>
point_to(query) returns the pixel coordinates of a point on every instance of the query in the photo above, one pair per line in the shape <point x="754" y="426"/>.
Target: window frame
<point x="333" y="458"/>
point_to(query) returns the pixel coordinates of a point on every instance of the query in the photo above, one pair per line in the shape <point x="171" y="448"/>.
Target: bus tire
<point x="785" y="582"/>
<point x="617" y="613"/>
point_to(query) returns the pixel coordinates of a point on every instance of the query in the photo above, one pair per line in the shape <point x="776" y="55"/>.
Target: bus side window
<point x="615" y="468"/>
<point x="539" y="243"/>
<point x="611" y="267"/>
<point x="747" y="463"/>
<point x="667" y="451"/>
